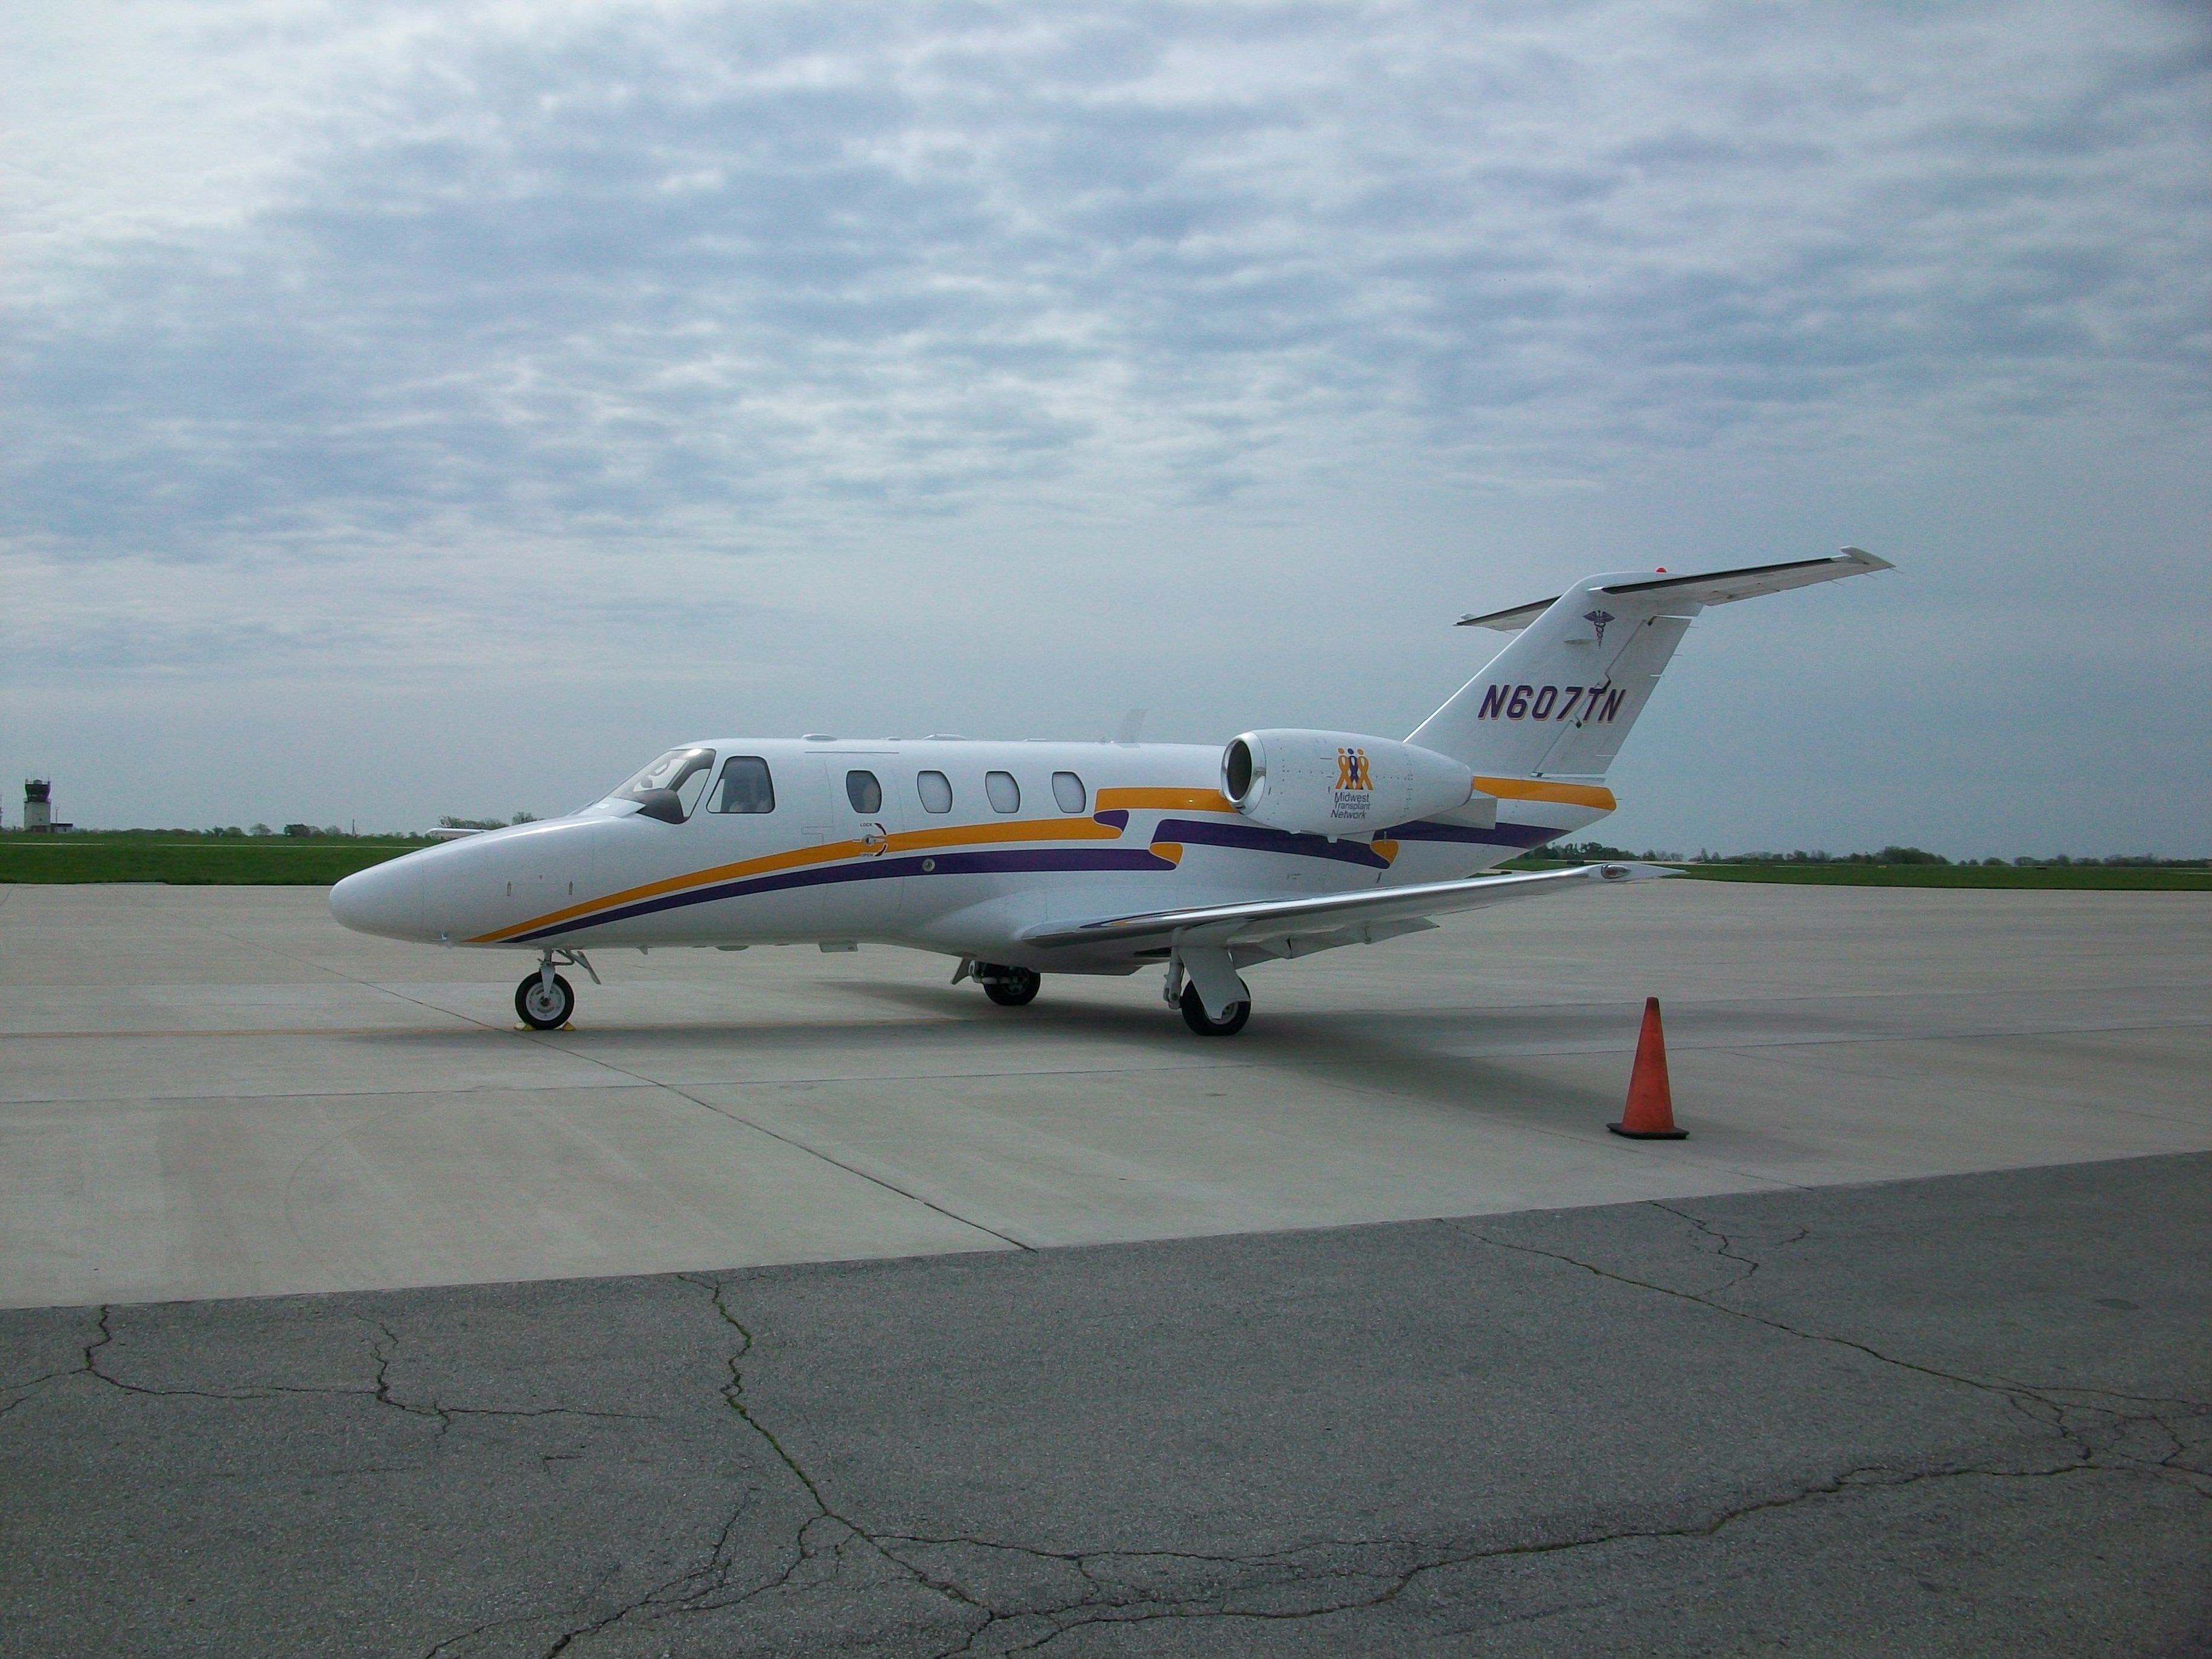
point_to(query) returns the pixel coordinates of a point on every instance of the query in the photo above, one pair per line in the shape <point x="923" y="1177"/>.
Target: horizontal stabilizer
<point x="1712" y="588"/>
<point x="1267" y="920"/>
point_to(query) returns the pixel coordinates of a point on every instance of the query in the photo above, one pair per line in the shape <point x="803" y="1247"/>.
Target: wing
<point x="1299" y="927"/>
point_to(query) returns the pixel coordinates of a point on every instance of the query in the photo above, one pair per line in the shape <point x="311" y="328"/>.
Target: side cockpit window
<point x="1068" y="790"/>
<point x="935" y="790"/>
<point x="670" y="787"/>
<point x="862" y="789"/>
<point x="746" y="785"/>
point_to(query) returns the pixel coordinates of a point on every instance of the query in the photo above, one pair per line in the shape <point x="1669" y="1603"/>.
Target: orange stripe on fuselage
<point x="1165" y="800"/>
<point x="1212" y="800"/>
<point x="1565" y="794"/>
<point x="797" y="858"/>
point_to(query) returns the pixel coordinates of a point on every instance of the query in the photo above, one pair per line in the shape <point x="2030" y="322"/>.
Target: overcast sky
<point x="424" y="410"/>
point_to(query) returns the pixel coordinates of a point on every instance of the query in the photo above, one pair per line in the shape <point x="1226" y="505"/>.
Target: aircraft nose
<point x="384" y="898"/>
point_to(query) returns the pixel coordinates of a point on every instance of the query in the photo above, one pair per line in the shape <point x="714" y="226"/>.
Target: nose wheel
<point x="544" y="1000"/>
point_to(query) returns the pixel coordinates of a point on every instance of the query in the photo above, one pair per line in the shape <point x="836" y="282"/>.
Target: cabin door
<point x="864" y="807"/>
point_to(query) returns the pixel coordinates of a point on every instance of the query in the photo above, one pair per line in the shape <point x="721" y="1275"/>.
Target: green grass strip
<point x="2045" y="878"/>
<point x="261" y="862"/>
<point x="2066" y="878"/>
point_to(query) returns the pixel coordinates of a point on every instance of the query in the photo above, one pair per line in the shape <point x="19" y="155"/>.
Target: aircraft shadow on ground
<point x="1416" y="1053"/>
<point x="1458" y="1058"/>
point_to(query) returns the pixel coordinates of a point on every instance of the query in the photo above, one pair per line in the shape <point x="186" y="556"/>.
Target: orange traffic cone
<point x="1651" y="1113"/>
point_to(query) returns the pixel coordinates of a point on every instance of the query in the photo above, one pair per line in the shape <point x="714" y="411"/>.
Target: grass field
<point x="2065" y="877"/>
<point x="2069" y="877"/>
<point x="192" y="861"/>
<point x="318" y="861"/>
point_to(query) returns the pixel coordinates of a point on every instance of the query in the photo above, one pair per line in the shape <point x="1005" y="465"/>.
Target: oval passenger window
<point x="864" y="791"/>
<point x="936" y="790"/>
<point x="1068" y="790"/>
<point x="1005" y="794"/>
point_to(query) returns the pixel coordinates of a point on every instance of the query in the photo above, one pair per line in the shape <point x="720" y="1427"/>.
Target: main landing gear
<point x="544" y="1000"/>
<point x="1016" y="988"/>
<point x="1196" y="1017"/>
<point x="1186" y="969"/>
<point x="1010" y="988"/>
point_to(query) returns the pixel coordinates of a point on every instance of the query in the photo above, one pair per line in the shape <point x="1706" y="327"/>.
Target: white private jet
<point x="1024" y="859"/>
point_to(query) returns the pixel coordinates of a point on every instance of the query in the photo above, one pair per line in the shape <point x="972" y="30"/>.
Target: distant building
<point x="38" y="806"/>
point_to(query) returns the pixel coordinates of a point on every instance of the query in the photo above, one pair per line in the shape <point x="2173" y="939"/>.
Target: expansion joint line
<point x="335" y="973"/>
<point x="795" y="1143"/>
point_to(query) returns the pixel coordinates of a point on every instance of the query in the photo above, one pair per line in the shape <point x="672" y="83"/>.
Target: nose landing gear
<point x="544" y="1000"/>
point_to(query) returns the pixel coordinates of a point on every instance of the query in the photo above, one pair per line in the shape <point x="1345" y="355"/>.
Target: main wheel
<point x="542" y="1010"/>
<point x="1196" y="1017"/>
<point x="1011" y="987"/>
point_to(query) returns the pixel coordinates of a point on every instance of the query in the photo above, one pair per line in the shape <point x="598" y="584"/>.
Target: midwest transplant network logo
<point x="1355" y="785"/>
<point x="1598" y="619"/>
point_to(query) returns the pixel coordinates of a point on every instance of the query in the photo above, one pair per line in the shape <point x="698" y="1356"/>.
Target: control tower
<point x="37" y="804"/>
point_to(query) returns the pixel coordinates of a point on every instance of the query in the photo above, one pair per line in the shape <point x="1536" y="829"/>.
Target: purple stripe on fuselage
<point x="1256" y="838"/>
<point x="1506" y="835"/>
<point x="995" y="862"/>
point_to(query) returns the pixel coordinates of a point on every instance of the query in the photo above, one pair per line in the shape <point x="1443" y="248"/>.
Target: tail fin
<point x="1558" y="701"/>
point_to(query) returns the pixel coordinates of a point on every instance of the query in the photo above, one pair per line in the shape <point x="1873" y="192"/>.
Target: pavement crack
<point x="1013" y="1597"/>
<point x="706" y="1587"/>
<point x="21" y="1392"/>
<point x="2092" y="1431"/>
<point x="90" y="1366"/>
<point x="386" y="1349"/>
<point x="1725" y="1245"/>
<point x="1389" y="1584"/>
<point x="380" y="1390"/>
<point x="733" y="1391"/>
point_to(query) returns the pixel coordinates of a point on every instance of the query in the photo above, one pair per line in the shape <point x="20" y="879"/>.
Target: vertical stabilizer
<point x="1558" y="701"/>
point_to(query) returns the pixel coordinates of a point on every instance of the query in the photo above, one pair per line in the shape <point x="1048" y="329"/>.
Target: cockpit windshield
<point x="670" y="787"/>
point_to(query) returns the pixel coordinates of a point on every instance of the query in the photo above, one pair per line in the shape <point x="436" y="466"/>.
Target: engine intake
<point x="1339" y="783"/>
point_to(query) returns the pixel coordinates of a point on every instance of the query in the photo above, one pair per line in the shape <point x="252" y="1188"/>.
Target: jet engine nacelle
<point x="1339" y="783"/>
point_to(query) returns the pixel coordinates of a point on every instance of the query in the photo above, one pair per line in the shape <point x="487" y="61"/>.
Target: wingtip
<point x="1871" y="562"/>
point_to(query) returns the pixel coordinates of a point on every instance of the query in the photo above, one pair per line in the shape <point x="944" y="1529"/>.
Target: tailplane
<point x="1558" y="701"/>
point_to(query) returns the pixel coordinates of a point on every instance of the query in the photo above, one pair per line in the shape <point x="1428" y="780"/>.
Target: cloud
<point x="334" y="330"/>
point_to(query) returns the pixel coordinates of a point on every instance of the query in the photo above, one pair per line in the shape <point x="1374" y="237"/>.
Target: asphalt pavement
<point x="1965" y="1415"/>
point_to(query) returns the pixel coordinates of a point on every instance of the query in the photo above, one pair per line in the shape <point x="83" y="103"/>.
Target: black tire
<point x="1196" y="1017"/>
<point x="539" y="1013"/>
<point x="1011" y="987"/>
